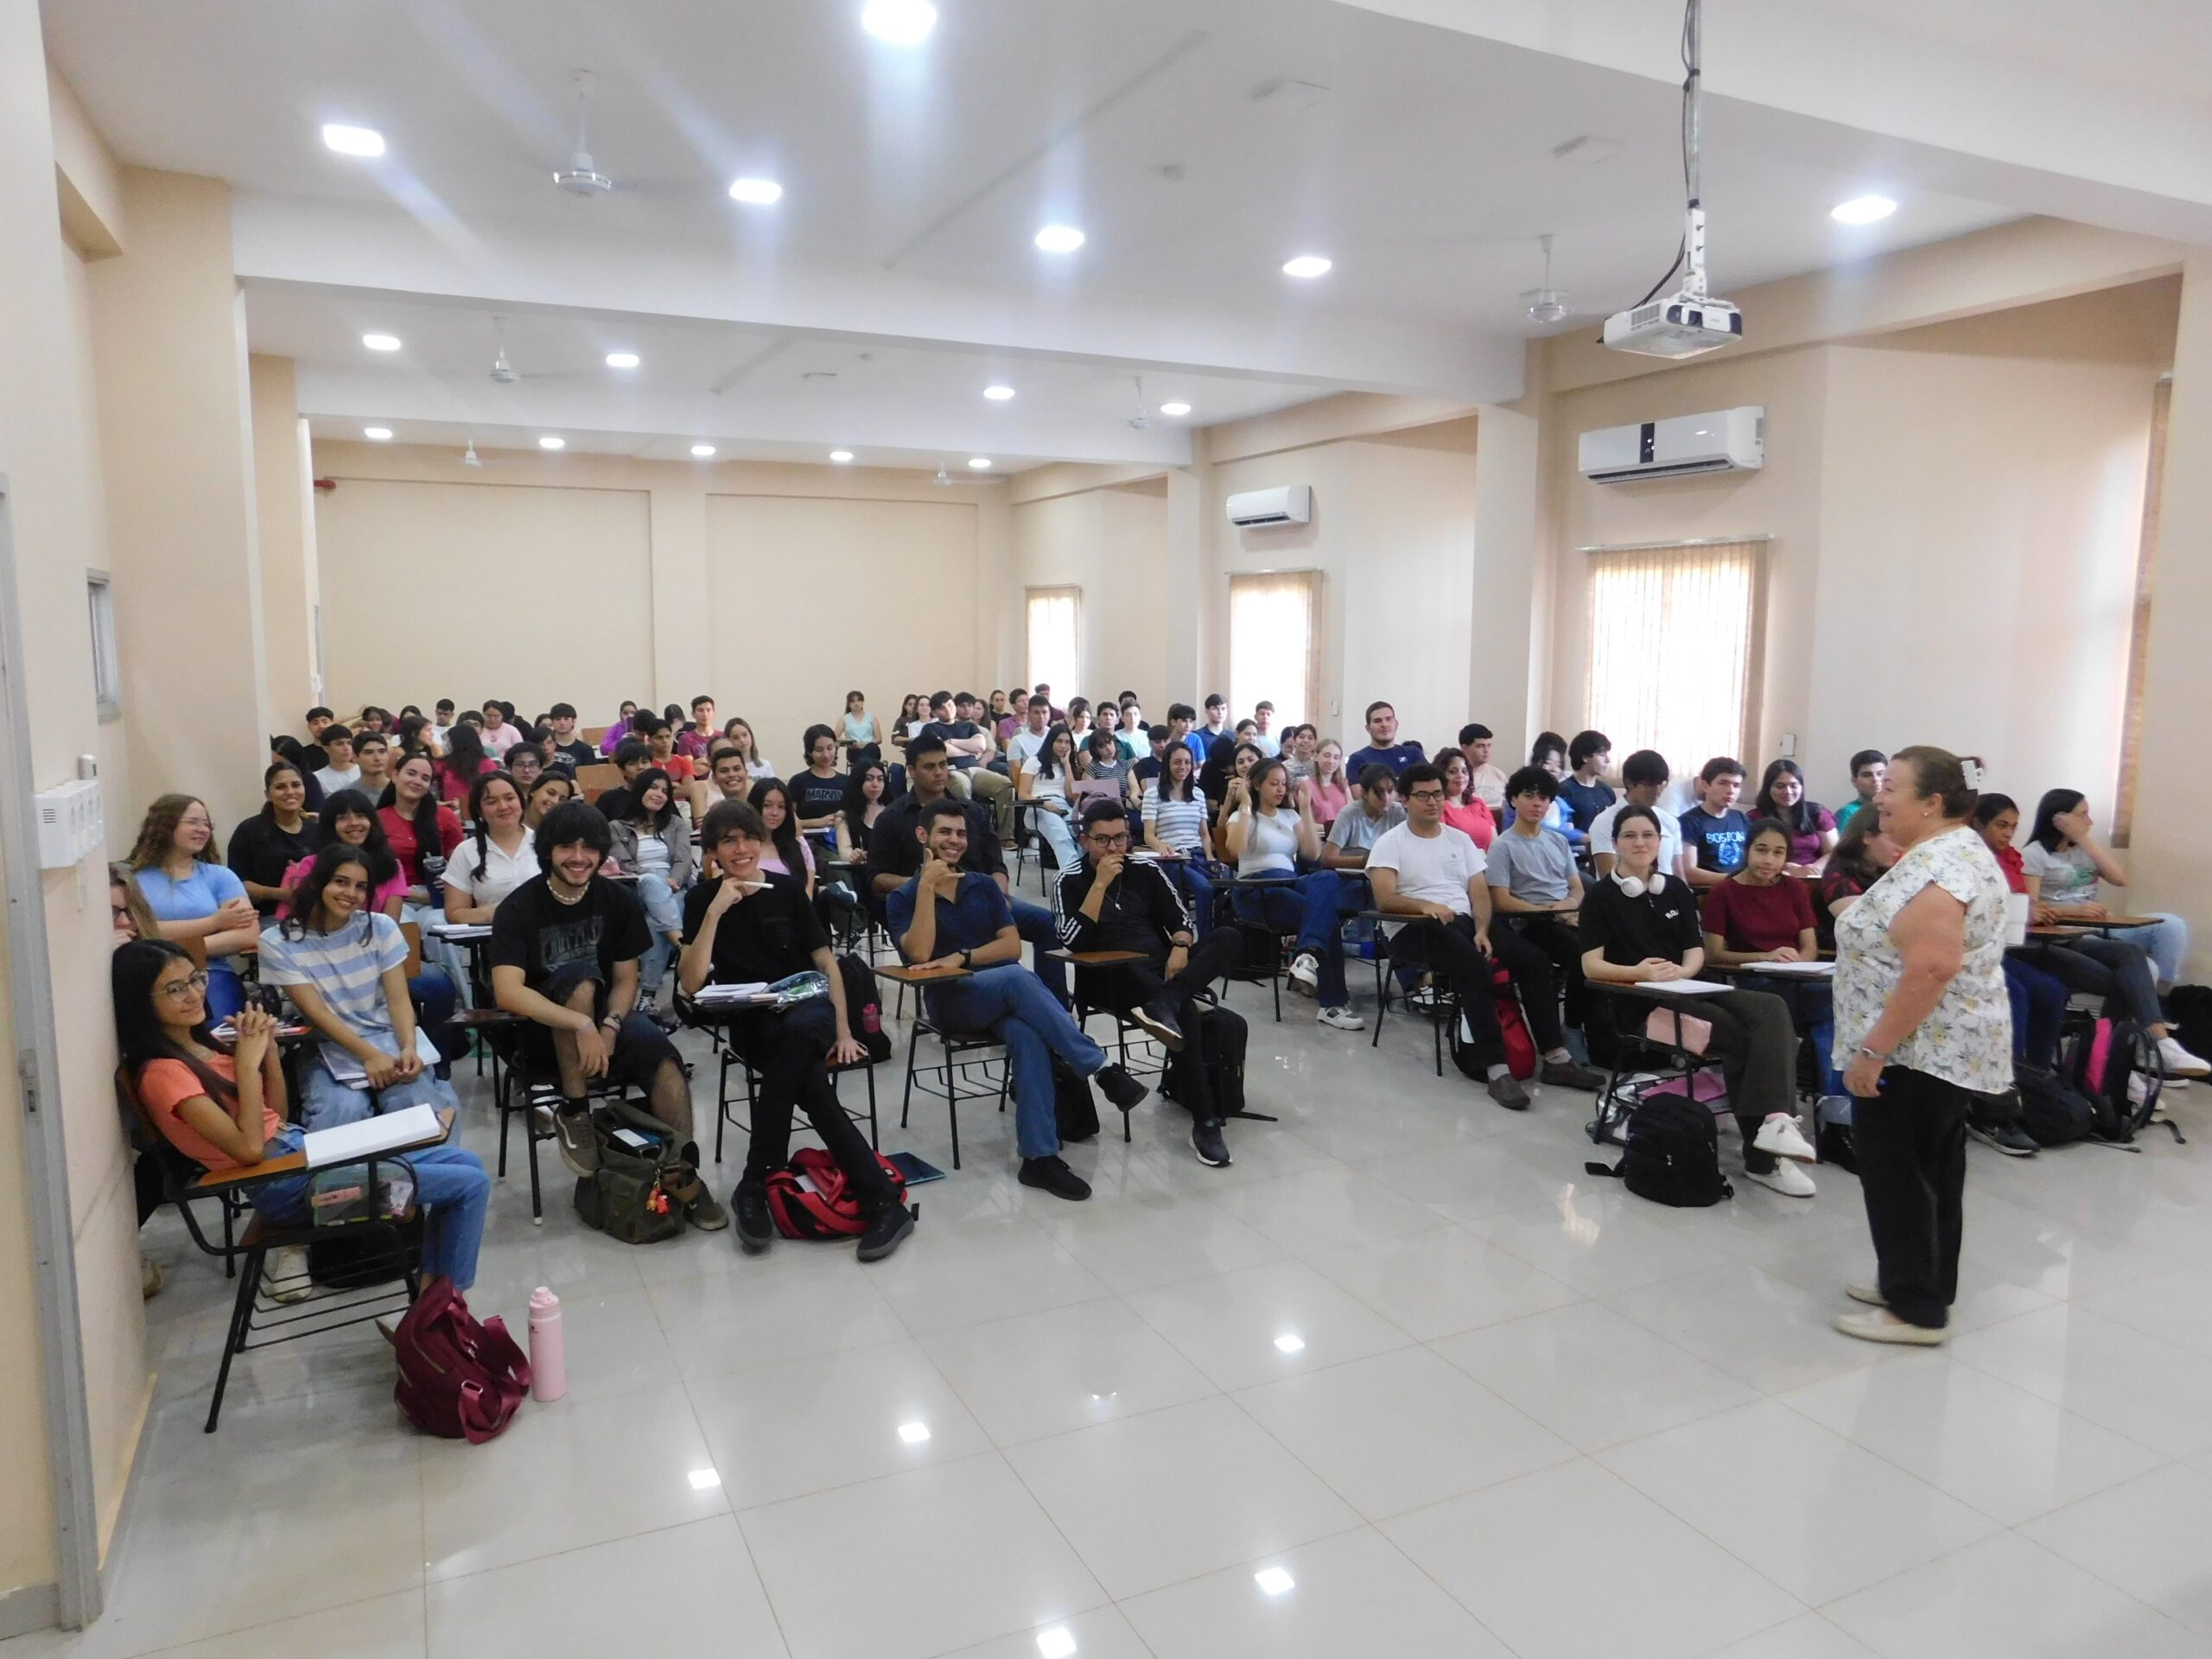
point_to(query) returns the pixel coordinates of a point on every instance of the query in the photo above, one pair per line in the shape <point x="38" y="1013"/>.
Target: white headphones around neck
<point x="1636" y="887"/>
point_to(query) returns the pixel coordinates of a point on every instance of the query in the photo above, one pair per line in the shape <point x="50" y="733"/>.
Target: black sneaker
<point x="887" y="1232"/>
<point x="1207" y="1141"/>
<point x="1055" y="1176"/>
<point x="2008" y="1138"/>
<point x="1160" y="1023"/>
<point x="756" y="1229"/>
<point x="579" y="1146"/>
<point x="1505" y="1089"/>
<point x="1124" y="1091"/>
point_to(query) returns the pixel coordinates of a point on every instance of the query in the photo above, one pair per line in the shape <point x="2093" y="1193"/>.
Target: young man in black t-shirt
<point x="1714" y="833"/>
<point x="564" y="953"/>
<point x="567" y="750"/>
<point x="754" y="927"/>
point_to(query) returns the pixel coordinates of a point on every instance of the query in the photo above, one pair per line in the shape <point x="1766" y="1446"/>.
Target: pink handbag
<point x="458" y="1378"/>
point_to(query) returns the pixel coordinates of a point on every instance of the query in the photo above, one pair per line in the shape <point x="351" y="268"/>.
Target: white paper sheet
<point x="351" y="1142"/>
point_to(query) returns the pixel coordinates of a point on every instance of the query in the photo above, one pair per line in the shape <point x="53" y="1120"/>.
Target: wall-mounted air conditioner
<point x="1292" y="504"/>
<point x="1727" y="440"/>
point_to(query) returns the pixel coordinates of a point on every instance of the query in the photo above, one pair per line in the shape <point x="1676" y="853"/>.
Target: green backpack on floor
<point x="632" y="1196"/>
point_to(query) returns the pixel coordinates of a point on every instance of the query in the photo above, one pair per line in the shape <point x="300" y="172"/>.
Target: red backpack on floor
<point x="1519" y="1048"/>
<point x="458" y="1379"/>
<point x="811" y="1200"/>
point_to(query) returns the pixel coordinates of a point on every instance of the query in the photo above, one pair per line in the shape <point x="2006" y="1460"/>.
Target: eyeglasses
<point x="1425" y="795"/>
<point x="178" y="990"/>
<point x="1109" y="843"/>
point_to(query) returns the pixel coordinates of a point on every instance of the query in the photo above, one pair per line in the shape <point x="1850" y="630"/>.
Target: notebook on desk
<point x="348" y="1143"/>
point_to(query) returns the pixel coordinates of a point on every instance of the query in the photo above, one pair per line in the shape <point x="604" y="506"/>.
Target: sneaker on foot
<point x="579" y="1146"/>
<point x="756" y="1229"/>
<point x="1779" y="1135"/>
<point x="1507" y="1091"/>
<point x="1571" y="1074"/>
<point x="1341" y="1018"/>
<point x="1158" y="1022"/>
<point x="698" y="1205"/>
<point x="1305" y="972"/>
<point x="1207" y="1142"/>
<point x="1882" y="1325"/>
<point x="1055" y="1176"/>
<point x="1124" y="1091"/>
<point x="1784" y="1178"/>
<point x="1869" y="1295"/>
<point x="284" y="1273"/>
<point x="886" y="1233"/>
<point x="2008" y="1138"/>
<point x="2179" y="1062"/>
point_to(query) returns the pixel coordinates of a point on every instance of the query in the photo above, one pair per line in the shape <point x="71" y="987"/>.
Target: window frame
<point x="1311" y="579"/>
<point x="1051" y="675"/>
<point x="107" y="648"/>
<point x="1744" y="742"/>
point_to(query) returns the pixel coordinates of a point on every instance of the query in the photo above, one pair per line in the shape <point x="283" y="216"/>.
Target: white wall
<point x="1113" y="544"/>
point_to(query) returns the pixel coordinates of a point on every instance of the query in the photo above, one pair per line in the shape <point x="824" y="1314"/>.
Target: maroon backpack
<point x="458" y="1379"/>
<point x="828" y="1209"/>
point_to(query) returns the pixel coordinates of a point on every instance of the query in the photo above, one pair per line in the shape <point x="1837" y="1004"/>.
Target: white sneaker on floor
<point x="1341" y="1019"/>
<point x="1779" y="1135"/>
<point x="284" y="1273"/>
<point x="1306" y="971"/>
<point x="1786" y="1178"/>
<point x="2179" y="1062"/>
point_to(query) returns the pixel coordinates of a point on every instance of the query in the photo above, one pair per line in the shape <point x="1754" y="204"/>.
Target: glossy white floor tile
<point x="1403" y="1380"/>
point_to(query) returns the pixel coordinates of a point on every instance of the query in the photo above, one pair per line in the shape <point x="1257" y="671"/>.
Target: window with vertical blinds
<point x="1273" y="629"/>
<point x="1674" y="650"/>
<point x="1055" y="640"/>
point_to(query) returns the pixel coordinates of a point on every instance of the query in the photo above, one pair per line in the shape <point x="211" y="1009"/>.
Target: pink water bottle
<point x="549" y="1377"/>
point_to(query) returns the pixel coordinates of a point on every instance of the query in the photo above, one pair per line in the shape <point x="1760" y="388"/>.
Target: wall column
<point x="1506" y="665"/>
<point x="2174" y="792"/>
<point x="284" y="520"/>
<point x="680" y="653"/>
<point x="1188" y="592"/>
<point x="169" y="331"/>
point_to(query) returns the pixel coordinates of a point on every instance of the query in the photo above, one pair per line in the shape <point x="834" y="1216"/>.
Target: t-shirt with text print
<point x="533" y="930"/>
<point x="1716" y="840"/>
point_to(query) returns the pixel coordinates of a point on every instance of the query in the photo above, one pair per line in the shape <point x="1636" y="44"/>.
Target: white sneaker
<point x="1306" y="971"/>
<point x="1341" y="1019"/>
<point x="1779" y="1135"/>
<point x="2179" y="1062"/>
<point x="1786" y="1178"/>
<point x="284" y="1273"/>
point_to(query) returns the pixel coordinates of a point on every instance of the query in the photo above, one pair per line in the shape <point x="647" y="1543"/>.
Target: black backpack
<point x="2189" y="1012"/>
<point x="1075" y="1109"/>
<point x="2100" y="1062"/>
<point x="1221" y="1037"/>
<point x="2053" y="1112"/>
<point x="1672" y="1155"/>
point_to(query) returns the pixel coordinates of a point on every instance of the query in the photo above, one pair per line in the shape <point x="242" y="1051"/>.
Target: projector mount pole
<point x="1694" y="227"/>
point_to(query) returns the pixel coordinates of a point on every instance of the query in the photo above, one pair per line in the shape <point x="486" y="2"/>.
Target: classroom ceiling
<point x="1198" y="143"/>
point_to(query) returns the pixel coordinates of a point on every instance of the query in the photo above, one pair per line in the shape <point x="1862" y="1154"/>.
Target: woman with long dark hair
<point x="498" y="855"/>
<point x="193" y="897"/>
<point x="466" y="761"/>
<point x="652" y="842"/>
<point x="264" y="845"/>
<point x="1176" y="832"/>
<point x="787" y="853"/>
<point x="865" y="788"/>
<point x="223" y="1107"/>
<point x="350" y="816"/>
<point x="1272" y="839"/>
<point x="863" y="739"/>
<point x="553" y="786"/>
<point x="1047" y="785"/>
<point x="1811" y="827"/>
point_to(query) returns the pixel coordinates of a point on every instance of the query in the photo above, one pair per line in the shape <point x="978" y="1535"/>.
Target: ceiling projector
<point x="1681" y="326"/>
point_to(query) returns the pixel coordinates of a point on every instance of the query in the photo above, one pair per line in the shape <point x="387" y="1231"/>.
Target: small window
<point x="107" y="662"/>
<point x="1055" y="640"/>
<point x="1651" y="610"/>
<point x="1274" y="636"/>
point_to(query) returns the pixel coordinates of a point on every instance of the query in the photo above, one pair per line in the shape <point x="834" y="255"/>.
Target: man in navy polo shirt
<point x="1383" y="749"/>
<point x="948" y="917"/>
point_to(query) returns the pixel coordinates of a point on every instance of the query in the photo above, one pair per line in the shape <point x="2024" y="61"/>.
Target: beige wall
<point x="1113" y="544"/>
<point x="284" y="520"/>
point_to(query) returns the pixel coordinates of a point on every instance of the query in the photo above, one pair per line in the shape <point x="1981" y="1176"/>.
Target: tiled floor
<point x="1403" y="1381"/>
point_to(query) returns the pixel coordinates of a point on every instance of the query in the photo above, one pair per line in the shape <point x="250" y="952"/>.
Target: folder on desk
<point x="347" y="1143"/>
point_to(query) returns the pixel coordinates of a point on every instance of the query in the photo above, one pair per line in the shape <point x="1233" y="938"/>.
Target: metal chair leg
<point x="241" y="1316"/>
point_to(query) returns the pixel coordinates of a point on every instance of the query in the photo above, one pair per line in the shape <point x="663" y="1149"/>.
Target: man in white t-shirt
<point x="1263" y="716"/>
<point x="339" y="772"/>
<point x="1024" y="746"/>
<point x="1644" y="776"/>
<point x="1433" y="873"/>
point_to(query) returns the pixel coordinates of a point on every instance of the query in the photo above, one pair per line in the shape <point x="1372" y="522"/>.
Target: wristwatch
<point x="964" y="956"/>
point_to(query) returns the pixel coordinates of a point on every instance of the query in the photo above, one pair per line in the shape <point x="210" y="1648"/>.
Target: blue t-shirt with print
<point x="1717" y="840"/>
<point x="976" y="914"/>
<point x="1397" y="757"/>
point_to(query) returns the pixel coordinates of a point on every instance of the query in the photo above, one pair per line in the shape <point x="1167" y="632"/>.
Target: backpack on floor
<point x="2104" y="1059"/>
<point x="458" y="1379"/>
<point x="864" y="1008"/>
<point x="811" y="1198"/>
<point x="1262" y="955"/>
<point x="2189" y="1013"/>
<point x="1075" y="1109"/>
<point x="2053" y="1112"/>
<point x="1220" y="1041"/>
<point x="1512" y="1030"/>
<point x="632" y="1196"/>
<point x="1672" y="1155"/>
<point x="1832" y="1133"/>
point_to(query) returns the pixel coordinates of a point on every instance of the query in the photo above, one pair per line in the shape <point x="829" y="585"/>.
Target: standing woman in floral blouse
<point x="1923" y="1023"/>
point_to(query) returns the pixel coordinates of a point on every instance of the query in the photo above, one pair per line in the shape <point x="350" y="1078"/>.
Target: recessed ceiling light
<point x="998" y="394"/>
<point x="1290" y="1342"/>
<point x="549" y="441"/>
<point x="621" y="359"/>
<point x="381" y="342"/>
<point x="1274" y="1581"/>
<point x="703" y="450"/>
<point x="376" y="434"/>
<point x="842" y="457"/>
<point x="913" y="1434"/>
<point x="1862" y="210"/>
<point x="979" y="463"/>
<point x="1058" y="1643"/>
<point x="901" y="23"/>
<point x="1059" y="238"/>
<point x="352" y="140"/>
<point x="1307" y="264"/>
<point x="756" y="192"/>
<point x="1174" y="410"/>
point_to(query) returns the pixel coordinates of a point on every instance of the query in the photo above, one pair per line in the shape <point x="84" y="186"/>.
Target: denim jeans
<point x="326" y="1103"/>
<point x="2039" y="1002"/>
<point x="1312" y="904"/>
<point x="1189" y="873"/>
<point x="1015" y="1007"/>
<point x="449" y="1182"/>
<point x="1061" y="839"/>
<point x="2167" y="943"/>
<point x="664" y="917"/>
<point x="1034" y="924"/>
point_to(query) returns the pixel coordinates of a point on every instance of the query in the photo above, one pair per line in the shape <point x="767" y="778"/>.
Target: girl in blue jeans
<point x="224" y="1109"/>
<point x="1268" y="839"/>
